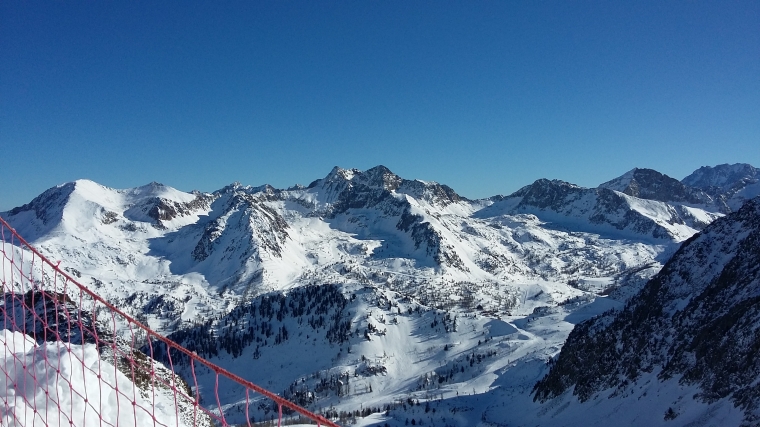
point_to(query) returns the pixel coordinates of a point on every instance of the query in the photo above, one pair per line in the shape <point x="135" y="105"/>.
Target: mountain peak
<point x="541" y="185"/>
<point x="622" y="182"/>
<point x="337" y="174"/>
<point x="376" y="177"/>
<point x="653" y="185"/>
<point x="230" y="188"/>
<point x="379" y="177"/>
<point x="724" y="177"/>
<point x="629" y="183"/>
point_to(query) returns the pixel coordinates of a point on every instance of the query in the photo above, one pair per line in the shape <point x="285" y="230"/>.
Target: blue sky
<point x="483" y="96"/>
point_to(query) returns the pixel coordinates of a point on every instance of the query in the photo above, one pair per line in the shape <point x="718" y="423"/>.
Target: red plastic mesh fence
<point x="69" y="358"/>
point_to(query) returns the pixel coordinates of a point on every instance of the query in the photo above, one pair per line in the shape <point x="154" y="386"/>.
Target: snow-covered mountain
<point x="721" y="189"/>
<point x="652" y="185"/>
<point x="413" y="291"/>
<point x="690" y="335"/>
<point x="607" y="211"/>
<point x="735" y="183"/>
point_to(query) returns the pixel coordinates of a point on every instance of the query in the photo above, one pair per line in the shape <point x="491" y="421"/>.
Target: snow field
<point x="65" y="384"/>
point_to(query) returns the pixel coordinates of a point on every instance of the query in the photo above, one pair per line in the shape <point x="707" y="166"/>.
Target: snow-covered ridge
<point x="721" y="189"/>
<point x="725" y="176"/>
<point x="602" y="210"/>
<point x="652" y="185"/>
<point x="735" y="183"/>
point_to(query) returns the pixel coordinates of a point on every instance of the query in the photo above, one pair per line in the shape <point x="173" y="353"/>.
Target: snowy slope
<point x="86" y="387"/>
<point x="356" y="346"/>
<point x="602" y="210"/>
<point x="690" y="334"/>
<point x="167" y="256"/>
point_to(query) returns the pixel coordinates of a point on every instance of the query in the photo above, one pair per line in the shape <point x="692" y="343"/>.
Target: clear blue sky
<point x="483" y="96"/>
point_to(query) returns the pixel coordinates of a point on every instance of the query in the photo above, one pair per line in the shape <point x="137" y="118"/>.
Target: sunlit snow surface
<point x="64" y="384"/>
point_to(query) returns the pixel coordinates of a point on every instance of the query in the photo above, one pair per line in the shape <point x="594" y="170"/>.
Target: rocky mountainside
<point x="720" y="189"/>
<point x="695" y="323"/>
<point x="652" y="185"/>
<point x="608" y="211"/>
<point x="735" y="183"/>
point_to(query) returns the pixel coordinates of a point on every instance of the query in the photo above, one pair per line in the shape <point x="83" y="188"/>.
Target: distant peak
<point x="337" y="175"/>
<point x="340" y="173"/>
<point x="379" y="177"/>
<point x="555" y="182"/>
<point x="230" y="187"/>
<point x="541" y="185"/>
<point x="80" y="180"/>
<point x="725" y="176"/>
<point x="151" y="186"/>
<point x="633" y="178"/>
<point x="379" y="169"/>
<point x="653" y="185"/>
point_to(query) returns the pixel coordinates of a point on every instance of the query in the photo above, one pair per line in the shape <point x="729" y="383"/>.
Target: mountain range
<point x="419" y="293"/>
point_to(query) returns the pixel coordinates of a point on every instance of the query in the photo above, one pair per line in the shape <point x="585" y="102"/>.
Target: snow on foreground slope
<point x="80" y="391"/>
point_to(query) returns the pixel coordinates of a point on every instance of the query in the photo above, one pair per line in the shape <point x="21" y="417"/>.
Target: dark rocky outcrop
<point x="732" y="184"/>
<point x="652" y="185"/>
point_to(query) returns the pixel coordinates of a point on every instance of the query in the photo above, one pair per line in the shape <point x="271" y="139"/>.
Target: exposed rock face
<point x="735" y="184"/>
<point x="244" y="217"/>
<point x="48" y="206"/>
<point x="652" y="185"/>
<point x="379" y="189"/>
<point x="378" y="177"/>
<point x="553" y="194"/>
<point x="723" y="177"/>
<point x="697" y="321"/>
<point x="56" y="317"/>
<point x="166" y="210"/>
<point x="359" y="196"/>
<point x="564" y="203"/>
<point x="381" y="182"/>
